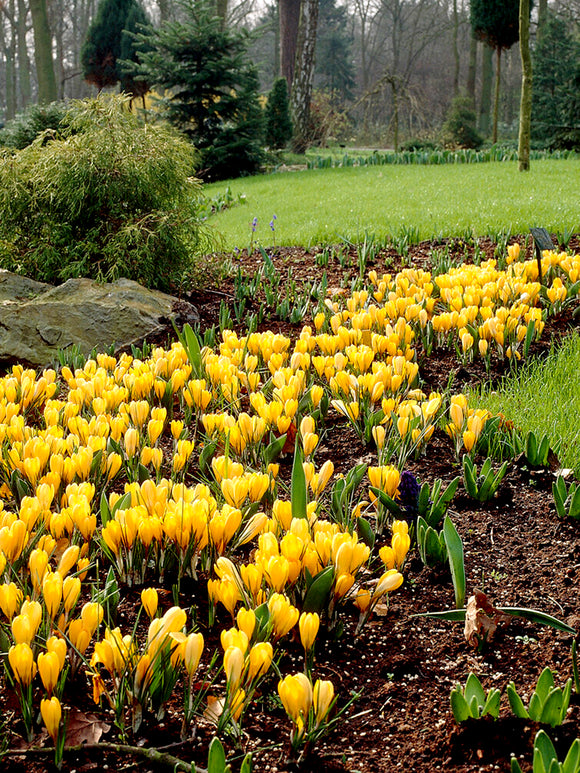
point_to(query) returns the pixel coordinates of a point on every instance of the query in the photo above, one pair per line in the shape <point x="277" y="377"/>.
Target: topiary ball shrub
<point x="109" y="197"/>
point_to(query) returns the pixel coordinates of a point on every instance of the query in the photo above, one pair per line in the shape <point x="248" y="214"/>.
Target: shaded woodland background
<point x="385" y="70"/>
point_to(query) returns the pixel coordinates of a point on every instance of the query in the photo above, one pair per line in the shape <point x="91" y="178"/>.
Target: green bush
<point x="35" y="120"/>
<point x="108" y="198"/>
<point x="459" y="130"/>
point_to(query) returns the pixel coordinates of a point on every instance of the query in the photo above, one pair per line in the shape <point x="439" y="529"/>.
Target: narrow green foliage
<point x="316" y="598"/>
<point x="298" y="492"/>
<point x="545" y="759"/>
<point x="482" y="487"/>
<point x="534" y="615"/>
<point x="471" y="702"/>
<point x="454" y="547"/>
<point x="548" y="704"/>
<point x="430" y="544"/>
<point x="536" y="450"/>
<point x="567" y="500"/>
<point x="433" y="503"/>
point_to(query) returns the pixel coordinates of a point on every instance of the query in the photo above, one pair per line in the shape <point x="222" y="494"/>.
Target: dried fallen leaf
<point x="214" y="709"/>
<point x="381" y="610"/>
<point x="84" y="728"/>
<point x="482" y="619"/>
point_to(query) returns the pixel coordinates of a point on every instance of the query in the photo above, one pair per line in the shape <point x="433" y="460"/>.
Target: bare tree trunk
<point x="472" y="69"/>
<point x="455" y="49"/>
<point x="23" y="60"/>
<point x="222" y="11"/>
<point x="485" y="99"/>
<point x="526" y="95"/>
<point x="395" y="115"/>
<point x="43" y="52"/>
<point x="304" y="74"/>
<point x="8" y="43"/>
<point x="496" y="96"/>
<point x="289" y="15"/>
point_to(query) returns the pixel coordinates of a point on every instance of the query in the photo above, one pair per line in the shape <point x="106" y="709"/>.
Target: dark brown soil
<point x="516" y="549"/>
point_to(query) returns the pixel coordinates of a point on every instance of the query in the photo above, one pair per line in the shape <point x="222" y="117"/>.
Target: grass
<point x="330" y="205"/>
<point x="543" y="397"/>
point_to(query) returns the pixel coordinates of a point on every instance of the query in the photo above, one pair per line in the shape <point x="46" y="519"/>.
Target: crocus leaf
<point x="386" y="500"/>
<point x="456" y="563"/>
<point x="473" y="689"/>
<point x="536" y="616"/>
<point x="552" y="709"/>
<point x="572" y="762"/>
<point x="516" y="703"/>
<point x="274" y="450"/>
<point x="544" y="746"/>
<point x="207" y="452"/>
<point x="298" y="485"/>
<point x="492" y="703"/>
<point x="459" y="706"/>
<point x="365" y="531"/>
<point x="515" y="766"/>
<point x="216" y="758"/>
<point x="317" y="594"/>
<point x="247" y="764"/>
<point x="545" y="683"/>
<point x="104" y="508"/>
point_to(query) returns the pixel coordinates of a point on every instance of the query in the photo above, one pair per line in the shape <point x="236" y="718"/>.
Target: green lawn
<point x="543" y="397"/>
<point x="328" y="205"/>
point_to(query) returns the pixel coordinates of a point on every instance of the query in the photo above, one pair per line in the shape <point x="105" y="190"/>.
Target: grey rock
<point x="37" y="319"/>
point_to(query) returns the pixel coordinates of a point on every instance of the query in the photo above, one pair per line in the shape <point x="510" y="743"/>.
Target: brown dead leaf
<point x="381" y="610"/>
<point x="482" y="619"/>
<point x="84" y="728"/>
<point x="214" y="709"/>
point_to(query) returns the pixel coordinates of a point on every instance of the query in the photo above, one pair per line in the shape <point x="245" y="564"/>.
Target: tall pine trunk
<point x="23" y="60"/>
<point x="455" y="49"/>
<point x="43" y="52"/>
<point x="289" y="18"/>
<point x="526" y="95"/>
<point x="485" y="98"/>
<point x="496" y="96"/>
<point x="304" y="74"/>
<point x="471" y="70"/>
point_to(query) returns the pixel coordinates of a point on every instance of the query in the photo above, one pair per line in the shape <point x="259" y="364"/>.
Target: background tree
<point x="556" y="108"/>
<point x="43" y="51"/>
<point x="105" y="46"/>
<point x="496" y="22"/>
<point x="526" y="95"/>
<point x="459" y="130"/>
<point x="278" y="131"/>
<point x="334" y="67"/>
<point x="301" y="92"/>
<point x="289" y="18"/>
<point x="212" y="88"/>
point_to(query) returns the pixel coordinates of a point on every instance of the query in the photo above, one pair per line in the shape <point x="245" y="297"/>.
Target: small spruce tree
<point x="278" y="131"/>
<point x="459" y="128"/>
<point x="211" y="88"/>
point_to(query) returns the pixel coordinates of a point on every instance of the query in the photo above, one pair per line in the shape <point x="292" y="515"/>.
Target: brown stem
<point x="153" y="755"/>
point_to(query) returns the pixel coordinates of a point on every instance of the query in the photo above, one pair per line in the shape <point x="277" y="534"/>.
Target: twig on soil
<point x="152" y="755"/>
